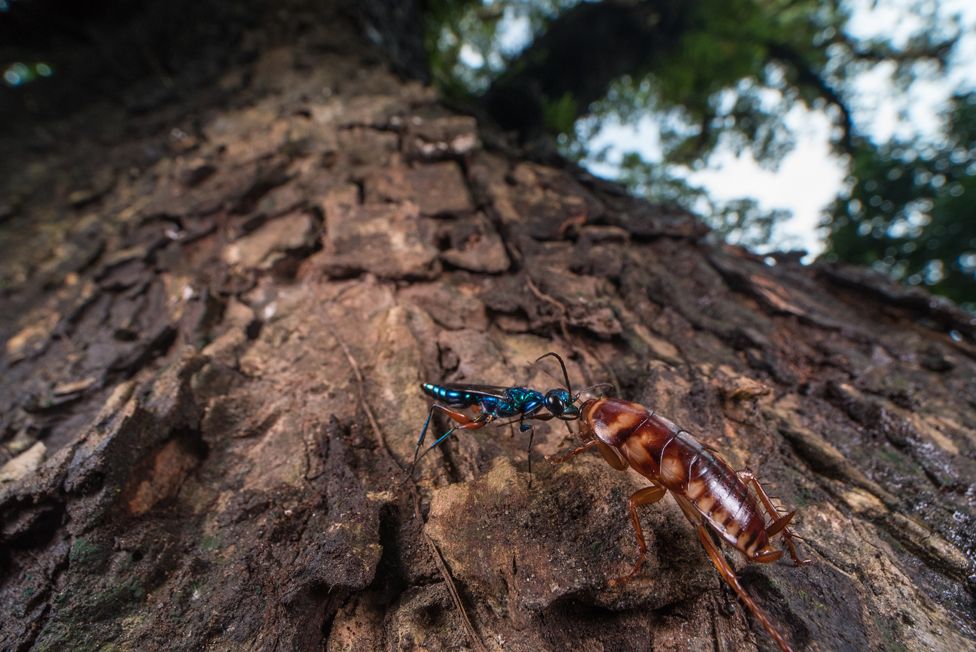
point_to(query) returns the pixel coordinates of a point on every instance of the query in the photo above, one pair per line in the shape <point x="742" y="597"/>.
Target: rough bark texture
<point x="214" y="330"/>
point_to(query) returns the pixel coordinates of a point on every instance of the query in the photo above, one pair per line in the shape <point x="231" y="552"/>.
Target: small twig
<point x="576" y="343"/>
<point x="543" y="296"/>
<point x="438" y="559"/>
<point x="361" y="384"/>
<point x="578" y="220"/>
<point x="308" y="454"/>
<point x="448" y="580"/>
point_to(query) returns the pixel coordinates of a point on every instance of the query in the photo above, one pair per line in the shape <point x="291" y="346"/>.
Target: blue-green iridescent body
<point x="499" y="402"/>
<point x="521" y="404"/>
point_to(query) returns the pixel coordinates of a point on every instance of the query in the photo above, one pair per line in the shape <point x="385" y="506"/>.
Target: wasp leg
<point x="780" y="521"/>
<point x="465" y="423"/>
<point x="729" y="576"/>
<point x="482" y="421"/>
<point x="523" y="426"/>
<point x="645" y="496"/>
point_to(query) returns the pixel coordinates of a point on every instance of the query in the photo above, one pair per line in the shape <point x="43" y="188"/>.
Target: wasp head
<point x="560" y="404"/>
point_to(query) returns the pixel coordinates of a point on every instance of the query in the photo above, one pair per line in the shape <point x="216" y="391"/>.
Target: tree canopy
<point x="726" y="73"/>
<point x="908" y="208"/>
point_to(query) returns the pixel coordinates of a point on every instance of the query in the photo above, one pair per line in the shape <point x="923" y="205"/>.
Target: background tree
<point x="720" y="74"/>
<point x="908" y="210"/>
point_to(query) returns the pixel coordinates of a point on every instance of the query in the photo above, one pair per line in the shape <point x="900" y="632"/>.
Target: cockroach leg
<point x="729" y="576"/>
<point x="646" y="496"/>
<point x="780" y="521"/>
<point x="611" y="457"/>
<point x="573" y="453"/>
<point x="715" y="500"/>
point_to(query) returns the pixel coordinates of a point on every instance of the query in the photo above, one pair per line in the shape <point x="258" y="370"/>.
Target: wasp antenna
<point x="562" y="365"/>
<point x="547" y="372"/>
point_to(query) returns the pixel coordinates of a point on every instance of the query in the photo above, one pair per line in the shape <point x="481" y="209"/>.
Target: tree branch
<point x="806" y="75"/>
<point x="580" y="54"/>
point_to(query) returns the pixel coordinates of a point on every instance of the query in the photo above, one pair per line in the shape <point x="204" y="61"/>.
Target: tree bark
<point x="214" y="330"/>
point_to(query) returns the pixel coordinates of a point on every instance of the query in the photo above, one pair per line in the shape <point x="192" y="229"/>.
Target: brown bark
<point x="213" y="338"/>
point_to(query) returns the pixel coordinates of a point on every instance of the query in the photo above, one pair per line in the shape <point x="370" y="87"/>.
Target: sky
<point x="810" y="177"/>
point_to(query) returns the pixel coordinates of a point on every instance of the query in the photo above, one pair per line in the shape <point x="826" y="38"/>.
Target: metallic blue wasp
<point x="494" y="402"/>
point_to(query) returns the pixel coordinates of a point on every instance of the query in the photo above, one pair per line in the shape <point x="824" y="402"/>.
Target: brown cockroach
<point x="711" y="495"/>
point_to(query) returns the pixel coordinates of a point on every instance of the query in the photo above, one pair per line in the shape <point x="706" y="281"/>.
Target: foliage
<point x="734" y="70"/>
<point x="909" y="208"/>
<point x="462" y="38"/>
<point x="739" y="221"/>
<point x="738" y="66"/>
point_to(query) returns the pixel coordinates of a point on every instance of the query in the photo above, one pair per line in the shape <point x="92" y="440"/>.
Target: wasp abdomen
<point x="450" y="395"/>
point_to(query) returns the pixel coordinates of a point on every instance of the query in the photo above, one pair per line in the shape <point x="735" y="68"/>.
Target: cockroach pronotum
<point x="710" y="493"/>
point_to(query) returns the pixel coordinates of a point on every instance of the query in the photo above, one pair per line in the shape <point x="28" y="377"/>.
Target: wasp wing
<point x="487" y="391"/>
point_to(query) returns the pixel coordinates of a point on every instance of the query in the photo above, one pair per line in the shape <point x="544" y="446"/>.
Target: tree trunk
<point x="214" y="331"/>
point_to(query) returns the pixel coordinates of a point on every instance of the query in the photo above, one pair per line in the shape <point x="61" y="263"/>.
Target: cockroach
<point x="712" y="496"/>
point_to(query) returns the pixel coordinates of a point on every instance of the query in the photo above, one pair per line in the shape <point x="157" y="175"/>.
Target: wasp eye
<point x="554" y="404"/>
